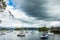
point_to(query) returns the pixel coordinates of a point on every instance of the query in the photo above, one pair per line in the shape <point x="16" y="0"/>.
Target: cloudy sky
<point x="33" y="13"/>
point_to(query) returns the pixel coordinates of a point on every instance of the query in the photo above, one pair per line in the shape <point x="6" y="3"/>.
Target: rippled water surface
<point x="29" y="35"/>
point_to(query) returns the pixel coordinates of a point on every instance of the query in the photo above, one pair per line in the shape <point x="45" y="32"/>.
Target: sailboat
<point x="49" y="33"/>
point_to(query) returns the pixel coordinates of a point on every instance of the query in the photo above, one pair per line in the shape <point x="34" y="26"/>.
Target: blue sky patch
<point x="11" y="3"/>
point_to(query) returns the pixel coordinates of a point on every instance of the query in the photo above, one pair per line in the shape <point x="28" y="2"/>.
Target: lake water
<point x="29" y="35"/>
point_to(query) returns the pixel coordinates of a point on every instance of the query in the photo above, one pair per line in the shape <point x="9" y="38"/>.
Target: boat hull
<point x="20" y="35"/>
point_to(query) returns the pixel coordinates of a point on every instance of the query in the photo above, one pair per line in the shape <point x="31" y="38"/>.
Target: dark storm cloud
<point x="35" y="8"/>
<point x="40" y="9"/>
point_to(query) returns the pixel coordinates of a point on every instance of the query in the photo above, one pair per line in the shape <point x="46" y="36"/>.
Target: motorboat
<point x="44" y="36"/>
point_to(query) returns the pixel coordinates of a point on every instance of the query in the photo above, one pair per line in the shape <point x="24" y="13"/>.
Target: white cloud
<point x="52" y="7"/>
<point x="18" y="14"/>
<point x="53" y="10"/>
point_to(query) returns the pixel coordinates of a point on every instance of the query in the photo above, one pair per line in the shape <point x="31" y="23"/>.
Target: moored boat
<point x="44" y="36"/>
<point x="21" y="34"/>
<point x="49" y="33"/>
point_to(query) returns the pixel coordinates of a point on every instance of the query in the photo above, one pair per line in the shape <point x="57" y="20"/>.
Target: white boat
<point x="32" y="32"/>
<point x="22" y="34"/>
<point x="49" y="33"/>
<point x="2" y="33"/>
<point x="44" y="36"/>
<point x="9" y="31"/>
